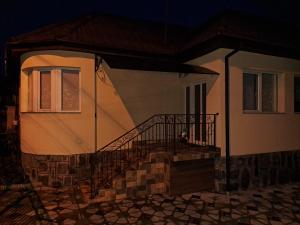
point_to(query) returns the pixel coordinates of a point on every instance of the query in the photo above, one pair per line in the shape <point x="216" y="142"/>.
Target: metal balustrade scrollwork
<point x="163" y="132"/>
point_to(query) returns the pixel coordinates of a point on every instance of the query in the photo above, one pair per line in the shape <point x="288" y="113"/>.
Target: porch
<point x="168" y="153"/>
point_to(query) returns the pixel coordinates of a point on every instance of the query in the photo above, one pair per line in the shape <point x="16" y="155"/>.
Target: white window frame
<point x="259" y="75"/>
<point x="294" y="92"/>
<point x="56" y="92"/>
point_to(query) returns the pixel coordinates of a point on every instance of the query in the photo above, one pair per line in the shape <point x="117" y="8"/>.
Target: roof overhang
<point x="222" y="41"/>
<point x="149" y="64"/>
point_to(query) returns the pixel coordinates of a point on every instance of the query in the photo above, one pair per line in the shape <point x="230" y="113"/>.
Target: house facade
<point x="230" y="89"/>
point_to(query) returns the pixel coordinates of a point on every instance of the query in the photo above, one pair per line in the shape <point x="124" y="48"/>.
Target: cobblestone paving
<point x="71" y="206"/>
<point x="21" y="207"/>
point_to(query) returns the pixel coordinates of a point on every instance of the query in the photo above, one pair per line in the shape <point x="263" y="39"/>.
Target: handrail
<point x="145" y="122"/>
<point x="127" y="132"/>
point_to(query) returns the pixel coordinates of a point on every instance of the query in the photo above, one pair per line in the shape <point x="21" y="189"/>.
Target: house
<point x="217" y="105"/>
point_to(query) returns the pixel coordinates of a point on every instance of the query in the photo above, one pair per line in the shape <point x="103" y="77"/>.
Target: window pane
<point x="70" y="90"/>
<point x="297" y="94"/>
<point x="269" y="92"/>
<point x="250" y="91"/>
<point x="30" y="91"/>
<point x="45" y="90"/>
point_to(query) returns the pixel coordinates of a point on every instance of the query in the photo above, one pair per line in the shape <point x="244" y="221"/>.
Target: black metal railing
<point x="164" y="132"/>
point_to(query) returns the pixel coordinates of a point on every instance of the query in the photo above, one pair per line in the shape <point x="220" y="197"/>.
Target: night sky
<point x="19" y="16"/>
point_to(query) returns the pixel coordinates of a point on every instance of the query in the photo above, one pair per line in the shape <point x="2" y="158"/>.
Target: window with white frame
<point x="260" y="92"/>
<point x="297" y="94"/>
<point x="54" y="90"/>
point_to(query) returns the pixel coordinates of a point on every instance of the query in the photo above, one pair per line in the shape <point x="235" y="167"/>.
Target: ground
<point x="272" y="205"/>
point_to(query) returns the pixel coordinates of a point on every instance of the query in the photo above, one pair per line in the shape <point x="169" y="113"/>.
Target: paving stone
<point x="159" y="223"/>
<point x="256" y="222"/>
<point x="132" y="220"/>
<point x="167" y="212"/>
<point x="206" y="223"/>
<point x="65" y="211"/>
<point x="148" y="210"/>
<point x="255" y="207"/>
<point x="112" y="219"/>
<point x="72" y="207"/>
<point x="69" y="222"/>
<point x="96" y="219"/>
<point x="206" y="217"/>
<point x="156" y="218"/>
<point x="274" y="222"/>
<point x="122" y="221"/>
<point x="91" y="210"/>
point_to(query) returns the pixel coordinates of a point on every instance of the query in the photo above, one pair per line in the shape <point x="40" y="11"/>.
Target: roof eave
<point x="223" y="41"/>
<point x="133" y="63"/>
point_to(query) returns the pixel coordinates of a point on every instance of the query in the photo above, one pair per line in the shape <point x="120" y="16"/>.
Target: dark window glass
<point x="70" y="90"/>
<point x="297" y="94"/>
<point x="250" y="91"/>
<point x="45" y="90"/>
<point x="269" y="92"/>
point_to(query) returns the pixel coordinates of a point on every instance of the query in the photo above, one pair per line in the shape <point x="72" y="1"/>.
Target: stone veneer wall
<point x="151" y="177"/>
<point x="258" y="170"/>
<point x="49" y="170"/>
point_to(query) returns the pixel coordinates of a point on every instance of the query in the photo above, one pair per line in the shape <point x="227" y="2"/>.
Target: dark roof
<point x="108" y="33"/>
<point x="103" y="34"/>
<point x="244" y="32"/>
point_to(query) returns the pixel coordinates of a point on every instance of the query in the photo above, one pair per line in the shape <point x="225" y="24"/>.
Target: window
<point x="70" y="90"/>
<point x="250" y="91"/>
<point x="268" y="92"/>
<point x="53" y="90"/>
<point x="45" y="90"/>
<point x="297" y="94"/>
<point x="260" y="92"/>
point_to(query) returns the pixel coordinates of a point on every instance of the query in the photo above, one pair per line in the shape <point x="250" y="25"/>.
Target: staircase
<point x="169" y="133"/>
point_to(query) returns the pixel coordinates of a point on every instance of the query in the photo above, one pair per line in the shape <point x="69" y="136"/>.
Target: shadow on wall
<point x="144" y="93"/>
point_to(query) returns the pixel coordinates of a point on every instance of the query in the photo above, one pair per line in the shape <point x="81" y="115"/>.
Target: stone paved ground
<point x="21" y="207"/>
<point x="71" y="206"/>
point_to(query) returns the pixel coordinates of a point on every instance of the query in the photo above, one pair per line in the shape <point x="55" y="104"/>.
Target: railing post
<point x="215" y="126"/>
<point x="174" y="134"/>
<point x="92" y="175"/>
<point x="166" y="133"/>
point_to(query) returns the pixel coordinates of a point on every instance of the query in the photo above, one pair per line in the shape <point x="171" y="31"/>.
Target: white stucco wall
<point x="252" y="133"/>
<point x="215" y="92"/>
<point x="128" y="97"/>
<point x="264" y="132"/>
<point x="54" y="132"/>
<point x="125" y="99"/>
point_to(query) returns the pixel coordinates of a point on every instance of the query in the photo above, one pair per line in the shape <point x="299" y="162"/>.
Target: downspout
<point x="227" y="118"/>
<point x="98" y="67"/>
<point x="98" y="62"/>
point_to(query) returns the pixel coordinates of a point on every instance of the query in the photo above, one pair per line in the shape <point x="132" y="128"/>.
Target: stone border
<point x="16" y="187"/>
<point x="56" y="170"/>
<point x="258" y="170"/>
